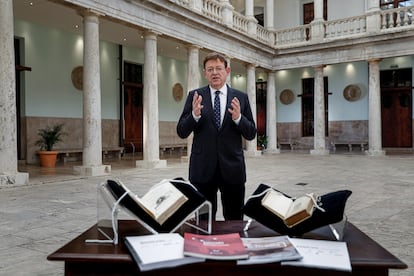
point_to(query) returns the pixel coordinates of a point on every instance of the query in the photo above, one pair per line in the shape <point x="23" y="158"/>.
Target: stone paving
<point x="57" y="205"/>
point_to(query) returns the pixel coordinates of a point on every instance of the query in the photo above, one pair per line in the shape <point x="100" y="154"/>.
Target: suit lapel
<point x="230" y="96"/>
<point x="207" y="104"/>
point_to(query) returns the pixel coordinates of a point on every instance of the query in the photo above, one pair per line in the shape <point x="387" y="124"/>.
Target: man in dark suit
<point x="217" y="158"/>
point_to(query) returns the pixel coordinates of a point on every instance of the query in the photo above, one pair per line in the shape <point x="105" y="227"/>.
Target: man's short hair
<point x="215" y="56"/>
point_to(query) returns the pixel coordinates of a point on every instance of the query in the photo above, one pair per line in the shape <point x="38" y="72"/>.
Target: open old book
<point x="160" y="202"/>
<point x="291" y="211"/>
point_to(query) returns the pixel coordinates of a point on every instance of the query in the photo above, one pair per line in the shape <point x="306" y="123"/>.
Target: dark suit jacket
<point x="214" y="147"/>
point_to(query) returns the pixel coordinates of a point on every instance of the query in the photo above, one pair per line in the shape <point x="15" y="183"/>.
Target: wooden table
<point x="81" y="258"/>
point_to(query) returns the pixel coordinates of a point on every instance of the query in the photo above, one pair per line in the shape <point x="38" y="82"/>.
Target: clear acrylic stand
<point x="108" y="212"/>
<point x="339" y="228"/>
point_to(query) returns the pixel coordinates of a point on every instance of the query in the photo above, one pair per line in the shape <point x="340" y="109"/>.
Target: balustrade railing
<point x="240" y="22"/>
<point x="346" y="26"/>
<point x="212" y="10"/>
<point x="265" y="36"/>
<point x="391" y="19"/>
<point x="184" y="3"/>
<point x="395" y="18"/>
<point x="295" y="35"/>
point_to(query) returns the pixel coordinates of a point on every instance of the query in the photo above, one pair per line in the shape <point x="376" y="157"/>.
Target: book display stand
<point x="338" y="228"/>
<point x="330" y="211"/>
<point x="113" y="197"/>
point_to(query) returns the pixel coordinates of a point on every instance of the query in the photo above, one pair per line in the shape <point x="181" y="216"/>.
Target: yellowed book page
<point x="303" y="203"/>
<point x="277" y="203"/>
<point x="161" y="197"/>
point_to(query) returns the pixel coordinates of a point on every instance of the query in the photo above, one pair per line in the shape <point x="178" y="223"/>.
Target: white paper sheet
<point x="321" y="254"/>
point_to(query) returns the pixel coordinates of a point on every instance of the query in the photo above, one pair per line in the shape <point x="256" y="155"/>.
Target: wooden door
<point x="308" y="12"/>
<point x="308" y="106"/>
<point x="133" y="107"/>
<point x="133" y="118"/>
<point x="261" y="90"/>
<point x="396" y="108"/>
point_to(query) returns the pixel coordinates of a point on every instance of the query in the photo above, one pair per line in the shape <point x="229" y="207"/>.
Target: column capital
<point x="193" y="46"/>
<point x="90" y="12"/>
<point x="150" y="32"/>
<point x="251" y="65"/>
<point x="319" y="66"/>
<point x="374" y="60"/>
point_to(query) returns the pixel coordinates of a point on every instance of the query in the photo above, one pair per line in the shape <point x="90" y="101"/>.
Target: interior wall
<point x="52" y="55"/>
<point x="339" y="77"/>
<point x="348" y="9"/>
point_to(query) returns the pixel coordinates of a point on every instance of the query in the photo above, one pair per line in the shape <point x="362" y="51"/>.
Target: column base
<point x="14" y="179"/>
<point x="92" y="170"/>
<point x="271" y="151"/>
<point x="185" y="159"/>
<point x="155" y="164"/>
<point x="252" y="153"/>
<point x="371" y="152"/>
<point x="319" y="152"/>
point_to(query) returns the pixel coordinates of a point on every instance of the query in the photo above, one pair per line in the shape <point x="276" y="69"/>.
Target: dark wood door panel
<point x="133" y="119"/>
<point x="396" y="108"/>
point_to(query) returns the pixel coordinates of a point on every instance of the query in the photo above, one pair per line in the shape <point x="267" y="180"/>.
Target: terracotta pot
<point x="47" y="158"/>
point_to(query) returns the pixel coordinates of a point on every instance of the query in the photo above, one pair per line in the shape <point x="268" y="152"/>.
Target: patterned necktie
<point x="217" y="109"/>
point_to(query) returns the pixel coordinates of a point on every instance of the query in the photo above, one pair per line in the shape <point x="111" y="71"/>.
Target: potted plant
<point x="261" y="142"/>
<point x="49" y="136"/>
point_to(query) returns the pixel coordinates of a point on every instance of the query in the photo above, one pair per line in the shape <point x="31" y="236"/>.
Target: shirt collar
<point x="223" y="90"/>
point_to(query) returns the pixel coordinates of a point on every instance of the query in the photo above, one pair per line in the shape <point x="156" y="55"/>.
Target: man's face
<point x="215" y="73"/>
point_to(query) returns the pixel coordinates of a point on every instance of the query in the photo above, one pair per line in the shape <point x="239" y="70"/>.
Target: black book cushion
<point x="195" y="199"/>
<point x="333" y="203"/>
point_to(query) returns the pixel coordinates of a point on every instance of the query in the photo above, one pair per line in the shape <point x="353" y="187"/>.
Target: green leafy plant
<point x="262" y="141"/>
<point x="50" y="136"/>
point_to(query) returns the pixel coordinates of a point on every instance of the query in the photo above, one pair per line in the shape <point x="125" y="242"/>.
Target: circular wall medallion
<point x="352" y="92"/>
<point x="77" y="77"/>
<point x="177" y="92"/>
<point x="287" y="96"/>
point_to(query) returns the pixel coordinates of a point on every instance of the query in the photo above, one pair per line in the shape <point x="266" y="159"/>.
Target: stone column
<point x="374" y="117"/>
<point x="251" y="146"/>
<point x="319" y="114"/>
<point x="318" y="8"/>
<point x="228" y="80"/>
<point x="227" y="13"/>
<point x="317" y="28"/>
<point x="249" y="13"/>
<point x="8" y="134"/>
<point x="269" y="15"/>
<point x="92" y="129"/>
<point x="151" y="145"/>
<point x="271" y="120"/>
<point x="373" y="5"/>
<point x="193" y="82"/>
<point x="249" y="8"/>
<point x="373" y="14"/>
<point x="196" y="5"/>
